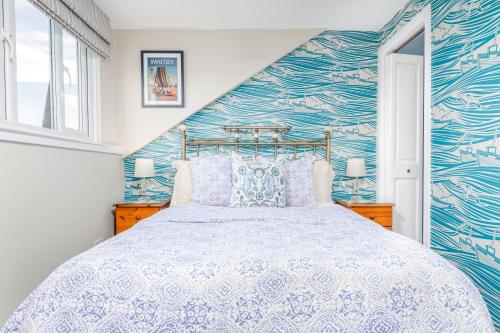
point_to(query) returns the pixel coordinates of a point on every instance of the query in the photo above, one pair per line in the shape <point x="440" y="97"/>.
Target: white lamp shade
<point x="356" y="167"/>
<point x="144" y="167"/>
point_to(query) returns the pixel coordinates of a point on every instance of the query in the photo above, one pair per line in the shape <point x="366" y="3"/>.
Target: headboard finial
<point x="183" y="128"/>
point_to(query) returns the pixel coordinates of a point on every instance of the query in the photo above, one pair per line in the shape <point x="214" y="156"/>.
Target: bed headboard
<point x="235" y="134"/>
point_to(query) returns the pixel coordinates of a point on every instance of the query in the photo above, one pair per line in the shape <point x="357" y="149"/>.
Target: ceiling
<point x="250" y="14"/>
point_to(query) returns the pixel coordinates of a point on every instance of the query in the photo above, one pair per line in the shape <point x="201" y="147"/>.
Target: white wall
<point x="54" y="204"/>
<point x="215" y="61"/>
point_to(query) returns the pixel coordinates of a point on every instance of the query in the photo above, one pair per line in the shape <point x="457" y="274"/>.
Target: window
<point x="48" y="75"/>
<point x="71" y="93"/>
<point x="33" y="67"/>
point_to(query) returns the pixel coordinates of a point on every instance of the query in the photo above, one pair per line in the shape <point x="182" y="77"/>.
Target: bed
<point x="215" y="269"/>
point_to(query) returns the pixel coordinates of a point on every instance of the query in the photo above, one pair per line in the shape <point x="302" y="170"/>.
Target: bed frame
<point x="278" y="140"/>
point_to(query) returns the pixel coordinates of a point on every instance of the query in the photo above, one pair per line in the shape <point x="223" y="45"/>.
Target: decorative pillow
<point x="258" y="184"/>
<point x="211" y="180"/>
<point x="182" y="183"/>
<point x="323" y="180"/>
<point x="300" y="183"/>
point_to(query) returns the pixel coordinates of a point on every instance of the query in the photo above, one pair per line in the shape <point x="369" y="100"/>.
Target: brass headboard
<point x="278" y="135"/>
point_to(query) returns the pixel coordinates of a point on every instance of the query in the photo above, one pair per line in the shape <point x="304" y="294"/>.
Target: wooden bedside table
<point x="128" y="214"/>
<point x="380" y="213"/>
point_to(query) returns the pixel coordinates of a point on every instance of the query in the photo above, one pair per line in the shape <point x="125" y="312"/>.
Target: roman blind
<point x="84" y="19"/>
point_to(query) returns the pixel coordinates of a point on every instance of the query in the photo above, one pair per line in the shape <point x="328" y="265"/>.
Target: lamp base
<point x="144" y="190"/>
<point x="355" y="190"/>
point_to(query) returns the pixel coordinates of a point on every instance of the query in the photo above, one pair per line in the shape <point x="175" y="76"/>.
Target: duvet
<point x="213" y="269"/>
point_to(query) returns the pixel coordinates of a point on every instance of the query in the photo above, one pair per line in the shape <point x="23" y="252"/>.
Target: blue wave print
<point x="465" y="157"/>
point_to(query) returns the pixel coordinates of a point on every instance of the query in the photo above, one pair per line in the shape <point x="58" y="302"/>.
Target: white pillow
<point x="300" y="183"/>
<point x="183" y="183"/>
<point x="323" y="180"/>
<point x="211" y="177"/>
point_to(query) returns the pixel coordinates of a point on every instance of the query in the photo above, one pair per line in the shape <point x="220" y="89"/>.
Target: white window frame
<point x="59" y="135"/>
<point x="83" y="86"/>
<point x="3" y="56"/>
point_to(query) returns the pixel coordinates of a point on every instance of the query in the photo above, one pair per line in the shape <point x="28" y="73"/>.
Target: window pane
<point x="71" y="81"/>
<point x="34" y="105"/>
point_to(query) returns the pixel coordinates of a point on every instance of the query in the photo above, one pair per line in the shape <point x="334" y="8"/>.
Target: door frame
<point x="385" y="115"/>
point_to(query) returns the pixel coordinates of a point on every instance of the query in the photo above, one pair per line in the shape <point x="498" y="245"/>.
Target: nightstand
<point x="380" y="213"/>
<point x="128" y="214"/>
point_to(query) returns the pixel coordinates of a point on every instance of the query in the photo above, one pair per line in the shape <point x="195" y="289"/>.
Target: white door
<point x="407" y="73"/>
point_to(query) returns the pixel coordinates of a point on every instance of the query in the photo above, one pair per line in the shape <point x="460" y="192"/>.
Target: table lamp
<point x="144" y="168"/>
<point x="356" y="169"/>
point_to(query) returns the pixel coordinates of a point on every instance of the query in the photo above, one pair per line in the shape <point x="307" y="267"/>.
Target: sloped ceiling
<point x="255" y="14"/>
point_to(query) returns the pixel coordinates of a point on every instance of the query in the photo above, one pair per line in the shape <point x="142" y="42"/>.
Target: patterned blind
<point x="84" y="19"/>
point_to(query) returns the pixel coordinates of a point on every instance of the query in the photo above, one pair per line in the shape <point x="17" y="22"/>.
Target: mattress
<point x="215" y="269"/>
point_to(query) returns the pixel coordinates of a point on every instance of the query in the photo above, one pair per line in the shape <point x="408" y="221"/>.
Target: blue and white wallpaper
<point x="328" y="81"/>
<point x="465" y="160"/>
<point x="331" y="80"/>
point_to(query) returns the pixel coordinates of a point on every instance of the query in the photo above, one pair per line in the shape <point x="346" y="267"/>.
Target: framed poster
<point x="162" y="77"/>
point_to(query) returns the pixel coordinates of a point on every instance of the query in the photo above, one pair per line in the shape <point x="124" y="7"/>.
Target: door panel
<point x="407" y="104"/>
<point x="407" y="215"/>
<point x="407" y="116"/>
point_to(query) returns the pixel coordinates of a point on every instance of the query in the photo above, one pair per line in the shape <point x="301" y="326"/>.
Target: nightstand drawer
<point x="136" y="213"/>
<point x="127" y="217"/>
<point x="381" y="215"/>
<point x="128" y="214"/>
<point x="124" y="222"/>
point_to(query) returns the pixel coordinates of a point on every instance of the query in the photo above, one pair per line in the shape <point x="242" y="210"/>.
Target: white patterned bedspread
<point x="213" y="269"/>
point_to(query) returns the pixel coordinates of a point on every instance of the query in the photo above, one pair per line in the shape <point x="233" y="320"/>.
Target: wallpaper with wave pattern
<point x="465" y="157"/>
<point x="328" y="81"/>
<point x="332" y="80"/>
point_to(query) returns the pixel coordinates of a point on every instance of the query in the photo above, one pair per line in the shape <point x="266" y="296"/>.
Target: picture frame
<point x="162" y="79"/>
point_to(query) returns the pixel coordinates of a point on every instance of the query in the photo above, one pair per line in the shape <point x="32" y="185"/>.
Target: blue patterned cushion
<point x="300" y="183"/>
<point x="211" y="180"/>
<point x="258" y="184"/>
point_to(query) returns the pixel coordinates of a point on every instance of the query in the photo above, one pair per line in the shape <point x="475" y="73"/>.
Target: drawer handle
<point x="137" y="218"/>
<point x="372" y="217"/>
